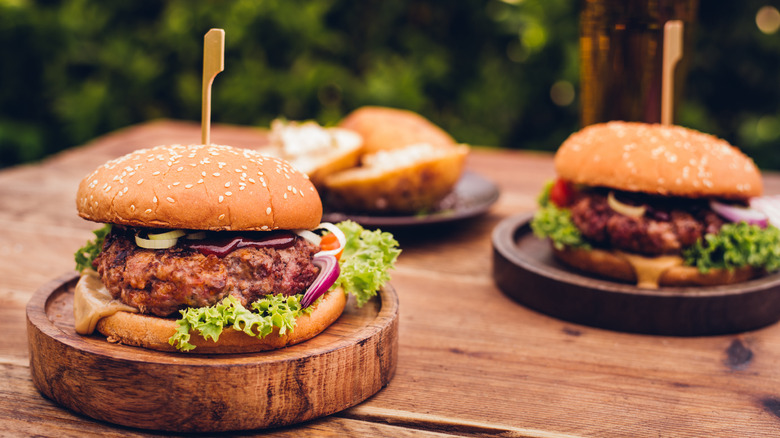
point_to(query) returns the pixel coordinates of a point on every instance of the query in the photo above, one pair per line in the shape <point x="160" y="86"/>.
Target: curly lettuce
<point x="734" y="246"/>
<point x="87" y="253"/>
<point x="554" y="223"/>
<point x="366" y="260"/>
<point x="267" y="313"/>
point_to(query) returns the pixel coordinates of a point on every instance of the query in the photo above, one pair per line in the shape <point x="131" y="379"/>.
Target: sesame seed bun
<point x="657" y="159"/>
<point x="152" y="332"/>
<point x="385" y="128"/>
<point x="201" y="187"/>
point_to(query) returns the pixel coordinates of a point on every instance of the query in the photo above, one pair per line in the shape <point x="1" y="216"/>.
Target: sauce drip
<point x="223" y="246"/>
<point x="650" y="269"/>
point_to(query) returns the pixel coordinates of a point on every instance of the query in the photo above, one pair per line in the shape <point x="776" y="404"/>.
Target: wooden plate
<point x="472" y="196"/>
<point x="525" y="270"/>
<point x="347" y="363"/>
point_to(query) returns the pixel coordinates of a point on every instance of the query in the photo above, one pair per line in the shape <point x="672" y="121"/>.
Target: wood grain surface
<point x="471" y="361"/>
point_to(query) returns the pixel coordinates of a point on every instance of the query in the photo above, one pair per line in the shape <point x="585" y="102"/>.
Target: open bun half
<point x="404" y="180"/>
<point x="153" y="332"/>
<point x="384" y="128"/>
<point x="315" y="150"/>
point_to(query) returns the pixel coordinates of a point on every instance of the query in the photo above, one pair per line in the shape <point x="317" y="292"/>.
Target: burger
<point x="216" y="248"/>
<point x="656" y="206"/>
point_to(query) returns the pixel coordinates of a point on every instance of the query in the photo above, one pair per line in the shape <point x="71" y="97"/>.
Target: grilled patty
<point x="160" y="282"/>
<point x="667" y="227"/>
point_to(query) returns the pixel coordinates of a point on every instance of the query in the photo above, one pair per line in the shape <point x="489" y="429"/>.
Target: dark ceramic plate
<point x="472" y="196"/>
<point x="525" y="270"/>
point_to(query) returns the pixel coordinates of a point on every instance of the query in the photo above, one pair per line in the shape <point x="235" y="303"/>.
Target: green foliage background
<point x="74" y="69"/>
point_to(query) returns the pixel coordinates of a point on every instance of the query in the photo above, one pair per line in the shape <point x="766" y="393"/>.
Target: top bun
<point x="202" y="188"/>
<point x="657" y="159"/>
<point x="385" y="128"/>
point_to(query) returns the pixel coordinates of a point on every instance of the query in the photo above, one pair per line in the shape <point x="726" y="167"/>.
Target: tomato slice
<point x="329" y="242"/>
<point x="562" y="193"/>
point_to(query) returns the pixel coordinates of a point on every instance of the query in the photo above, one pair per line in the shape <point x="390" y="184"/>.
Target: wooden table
<point x="471" y="361"/>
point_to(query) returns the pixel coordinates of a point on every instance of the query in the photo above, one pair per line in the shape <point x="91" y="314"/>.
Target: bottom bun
<point x="615" y="266"/>
<point x="153" y="332"/>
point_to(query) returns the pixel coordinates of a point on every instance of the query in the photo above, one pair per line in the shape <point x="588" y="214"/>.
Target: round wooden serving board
<point x="524" y="268"/>
<point x="186" y="392"/>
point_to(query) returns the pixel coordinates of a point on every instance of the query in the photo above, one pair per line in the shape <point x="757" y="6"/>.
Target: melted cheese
<point x="92" y="301"/>
<point x="649" y="269"/>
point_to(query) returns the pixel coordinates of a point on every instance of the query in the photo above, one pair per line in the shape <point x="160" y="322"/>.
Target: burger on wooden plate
<point x="213" y="248"/>
<point x="656" y="206"/>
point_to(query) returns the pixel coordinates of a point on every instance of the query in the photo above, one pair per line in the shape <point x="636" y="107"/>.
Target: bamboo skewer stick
<point x="673" y="49"/>
<point x="213" y="63"/>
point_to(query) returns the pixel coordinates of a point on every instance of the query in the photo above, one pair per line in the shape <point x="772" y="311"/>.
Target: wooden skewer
<point x="213" y="63"/>
<point x="673" y="49"/>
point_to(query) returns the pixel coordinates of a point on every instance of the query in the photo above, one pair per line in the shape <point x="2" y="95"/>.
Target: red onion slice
<point x="329" y="272"/>
<point x="770" y="206"/>
<point x="736" y="213"/>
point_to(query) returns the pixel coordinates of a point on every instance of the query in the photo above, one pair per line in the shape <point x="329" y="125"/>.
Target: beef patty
<point x="667" y="227"/>
<point x="161" y="282"/>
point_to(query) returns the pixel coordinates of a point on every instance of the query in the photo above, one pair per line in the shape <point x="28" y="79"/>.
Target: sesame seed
<point x="154" y="199"/>
<point x="176" y="183"/>
<point x="221" y="198"/>
<point x="140" y="181"/>
<point x="157" y="172"/>
<point x="188" y="186"/>
<point x="227" y="184"/>
<point x="215" y="174"/>
<point x="180" y="169"/>
<point x="132" y="207"/>
<point x="222" y="216"/>
<point x="148" y="210"/>
<point x="228" y="193"/>
<point x="285" y="196"/>
<point x="268" y="210"/>
<point x="170" y="199"/>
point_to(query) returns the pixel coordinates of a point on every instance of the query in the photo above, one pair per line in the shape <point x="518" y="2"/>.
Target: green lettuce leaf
<point x="87" y="253"/>
<point x="366" y="260"/>
<point x="267" y="313"/>
<point x="735" y="246"/>
<point x="555" y="224"/>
